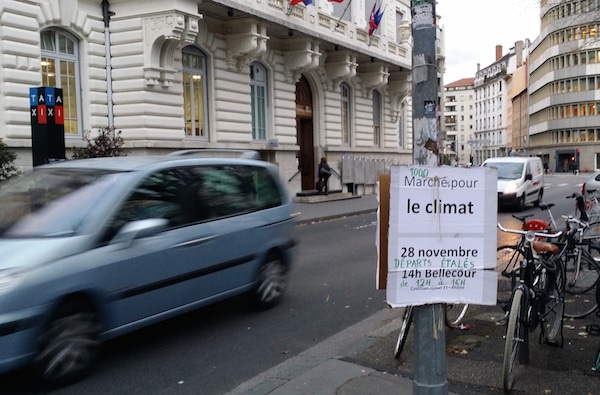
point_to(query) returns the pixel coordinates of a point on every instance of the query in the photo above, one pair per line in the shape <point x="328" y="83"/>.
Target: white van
<point x="520" y="180"/>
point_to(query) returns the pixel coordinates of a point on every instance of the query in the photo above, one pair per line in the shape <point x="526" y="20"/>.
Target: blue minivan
<point x="95" y="248"/>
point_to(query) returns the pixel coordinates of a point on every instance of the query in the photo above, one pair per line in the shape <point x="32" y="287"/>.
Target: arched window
<point x="195" y="92"/>
<point x="259" y="101"/>
<point x="60" y="69"/>
<point x="376" y="119"/>
<point x="346" y="113"/>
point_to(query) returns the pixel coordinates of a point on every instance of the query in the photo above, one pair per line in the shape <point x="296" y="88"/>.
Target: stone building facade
<point x="459" y="110"/>
<point x="296" y="83"/>
<point x="494" y="105"/>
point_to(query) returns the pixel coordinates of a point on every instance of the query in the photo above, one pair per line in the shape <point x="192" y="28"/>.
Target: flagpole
<point x="337" y="24"/>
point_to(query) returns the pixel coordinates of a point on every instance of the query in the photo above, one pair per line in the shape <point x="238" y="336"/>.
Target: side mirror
<point x="139" y="229"/>
<point x="528" y="177"/>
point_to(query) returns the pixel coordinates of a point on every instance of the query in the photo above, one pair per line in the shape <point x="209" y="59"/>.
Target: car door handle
<point x="195" y="242"/>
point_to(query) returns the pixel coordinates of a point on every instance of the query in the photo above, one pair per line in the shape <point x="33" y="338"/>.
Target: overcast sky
<point x="474" y="28"/>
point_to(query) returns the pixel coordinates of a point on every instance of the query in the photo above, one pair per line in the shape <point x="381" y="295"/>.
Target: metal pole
<point x="108" y="58"/>
<point x="430" y="336"/>
<point x="424" y="84"/>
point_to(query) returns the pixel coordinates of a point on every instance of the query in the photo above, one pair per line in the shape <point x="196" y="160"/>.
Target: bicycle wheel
<point x="580" y="285"/>
<point x="580" y="306"/>
<point x="515" y="333"/>
<point x="407" y="318"/>
<point x="508" y="261"/>
<point x="554" y="305"/>
<point x="454" y="314"/>
<point x="593" y="230"/>
<point x="582" y="277"/>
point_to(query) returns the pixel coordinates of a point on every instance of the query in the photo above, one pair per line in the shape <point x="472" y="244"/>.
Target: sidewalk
<point x="346" y="363"/>
<point x="328" y="368"/>
<point x="332" y="209"/>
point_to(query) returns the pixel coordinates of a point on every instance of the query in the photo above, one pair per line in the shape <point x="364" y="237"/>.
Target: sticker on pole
<point x="442" y="236"/>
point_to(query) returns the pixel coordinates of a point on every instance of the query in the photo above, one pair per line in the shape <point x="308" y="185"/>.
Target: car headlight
<point x="511" y="187"/>
<point x="10" y="278"/>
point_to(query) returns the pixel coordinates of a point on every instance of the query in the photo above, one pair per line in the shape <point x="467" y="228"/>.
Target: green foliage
<point x="106" y="143"/>
<point x="7" y="167"/>
<point x="446" y="160"/>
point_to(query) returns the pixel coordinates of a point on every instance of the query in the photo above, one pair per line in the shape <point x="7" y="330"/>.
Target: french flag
<point x="375" y="18"/>
<point x="306" y="2"/>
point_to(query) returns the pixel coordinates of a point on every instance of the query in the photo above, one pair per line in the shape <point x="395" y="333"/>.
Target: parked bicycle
<point x="581" y="246"/>
<point x="453" y="316"/>
<point x="537" y="300"/>
<point x="592" y="206"/>
<point x="582" y="269"/>
<point x="509" y="256"/>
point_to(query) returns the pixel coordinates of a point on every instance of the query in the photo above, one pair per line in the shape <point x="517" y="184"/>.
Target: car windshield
<point x="507" y="170"/>
<point x="50" y="202"/>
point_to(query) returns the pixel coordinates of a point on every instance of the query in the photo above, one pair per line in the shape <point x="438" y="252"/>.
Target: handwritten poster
<point x="442" y="236"/>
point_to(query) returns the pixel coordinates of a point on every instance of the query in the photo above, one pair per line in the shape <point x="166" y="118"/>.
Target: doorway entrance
<point x="567" y="161"/>
<point x="305" y="134"/>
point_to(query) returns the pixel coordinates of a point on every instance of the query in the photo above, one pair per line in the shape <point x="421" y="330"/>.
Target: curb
<point x="334" y="216"/>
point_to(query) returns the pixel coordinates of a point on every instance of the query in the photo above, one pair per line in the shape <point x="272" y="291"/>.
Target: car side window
<point x="231" y="190"/>
<point x="157" y="196"/>
<point x="193" y="194"/>
<point x="267" y="192"/>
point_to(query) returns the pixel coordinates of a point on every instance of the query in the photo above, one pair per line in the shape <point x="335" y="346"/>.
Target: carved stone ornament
<point x="246" y="41"/>
<point x="301" y="55"/>
<point x="404" y="29"/>
<point x="163" y="35"/>
<point x="400" y="84"/>
<point x="341" y="66"/>
<point x="373" y="75"/>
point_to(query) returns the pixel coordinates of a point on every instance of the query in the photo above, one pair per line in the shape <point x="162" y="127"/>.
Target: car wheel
<point x="270" y="283"/>
<point x="539" y="199"/>
<point x="520" y="205"/>
<point x="68" y="346"/>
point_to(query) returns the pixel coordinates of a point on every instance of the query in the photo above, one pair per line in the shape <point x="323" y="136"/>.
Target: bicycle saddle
<point x="544" y="246"/>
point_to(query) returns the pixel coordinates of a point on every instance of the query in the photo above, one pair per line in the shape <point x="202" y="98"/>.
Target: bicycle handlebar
<point x="570" y="218"/>
<point x="524" y="232"/>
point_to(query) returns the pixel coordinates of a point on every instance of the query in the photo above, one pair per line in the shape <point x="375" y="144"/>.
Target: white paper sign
<point x="442" y="236"/>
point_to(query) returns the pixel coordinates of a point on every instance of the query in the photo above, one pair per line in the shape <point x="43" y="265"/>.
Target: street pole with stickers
<point x="429" y="335"/>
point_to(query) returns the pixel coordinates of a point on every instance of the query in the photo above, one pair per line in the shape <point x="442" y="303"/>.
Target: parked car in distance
<point x="591" y="187"/>
<point x="95" y="248"/>
<point x="520" y="180"/>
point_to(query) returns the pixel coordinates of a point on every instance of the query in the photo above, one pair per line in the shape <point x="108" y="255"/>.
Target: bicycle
<point x="537" y="300"/>
<point x="453" y="316"/>
<point x="509" y="256"/>
<point x="582" y="270"/>
<point x="592" y="205"/>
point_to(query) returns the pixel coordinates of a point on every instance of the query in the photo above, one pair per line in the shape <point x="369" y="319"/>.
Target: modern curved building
<point x="564" y="87"/>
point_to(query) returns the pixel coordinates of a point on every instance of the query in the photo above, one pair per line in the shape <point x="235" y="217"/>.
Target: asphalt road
<point x="213" y="350"/>
<point x="332" y="287"/>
